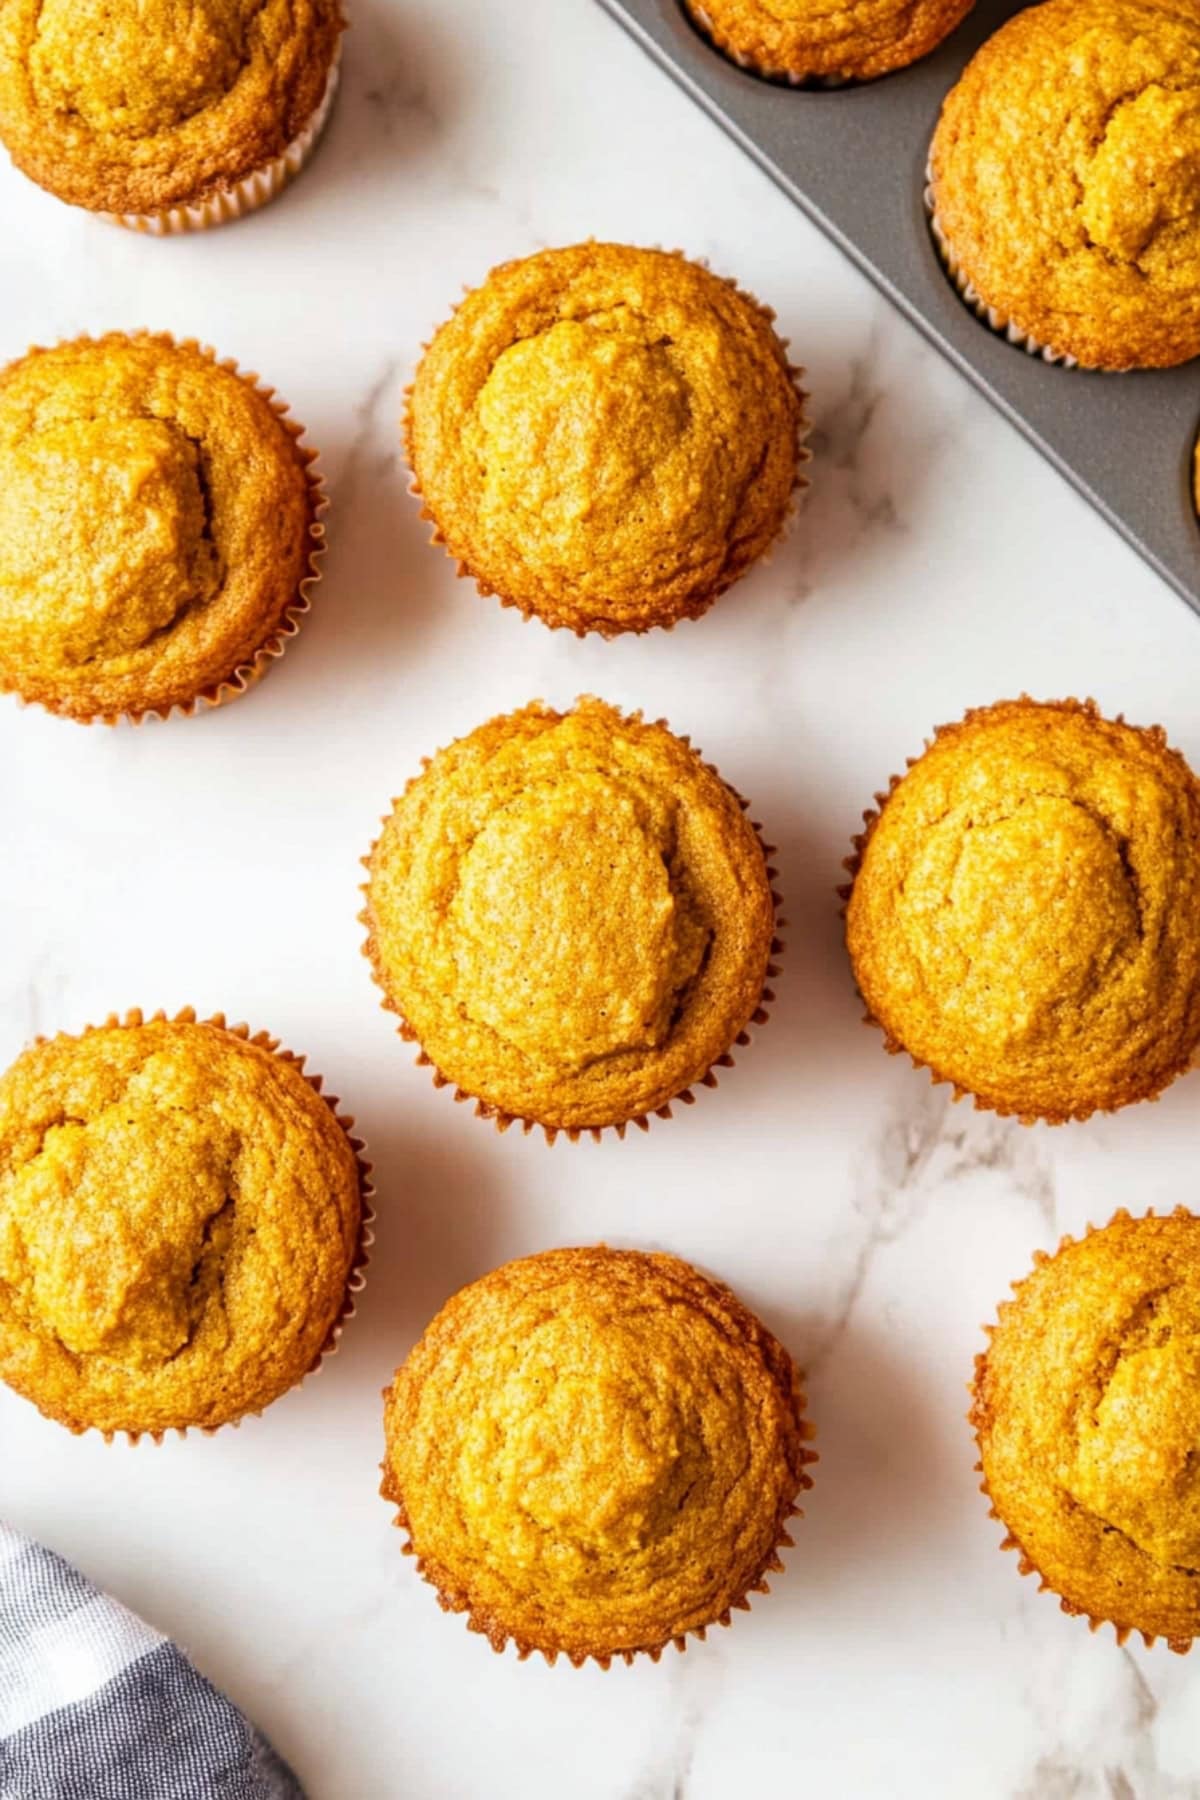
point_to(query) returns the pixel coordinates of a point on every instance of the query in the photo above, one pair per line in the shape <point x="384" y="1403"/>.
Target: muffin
<point x="572" y="917"/>
<point x="804" y="40"/>
<point x="1065" y="182"/>
<point x="595" y="1452"/>
<point x="605" y="437"/>
<point x="1023" y="914"/>
<point x="165" y="117"/>
<point x="159" y="522"/>
<point x="182" y="1222"/>
<point x="1087" y="1412"/>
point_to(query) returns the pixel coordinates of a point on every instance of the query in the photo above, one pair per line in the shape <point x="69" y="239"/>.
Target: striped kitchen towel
<point x="95" y="1705"/>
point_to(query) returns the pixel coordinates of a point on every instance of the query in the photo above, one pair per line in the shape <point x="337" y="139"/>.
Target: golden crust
<point x="850" y="40"/>
<point x="595" y="1452"/>
<point x="606" y="437"/>
<point x="1087" y="1413"/>
<point x="572" y="916"/>
<point x="158" y="521"/>
<point x="1022" y="918"/>
<point x="132" y="108"/>
<point x="1064" y="170"/>
<point x="182" y="1216"/>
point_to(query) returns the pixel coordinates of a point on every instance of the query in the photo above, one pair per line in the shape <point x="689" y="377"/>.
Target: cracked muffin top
<point x="572" y="915"/>
<point x="595" y="1451"/>
<point x="130" y="106"/>
<point x="1023" y="918"/>
<point x="605" y="437"/>
<point x="1066" y="177"/>
<point x="179" y="1213"/>
<point x="828" y="39"/>
<point x="155" y="516"/>
<point x="1087" y="1410"/>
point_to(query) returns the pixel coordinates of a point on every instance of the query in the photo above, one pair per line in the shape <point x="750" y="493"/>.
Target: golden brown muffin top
<point x="1087" y="1409"/>
<point x="1066" y="175"/>
<point x="595" y="1451"/>
<point x="179" y="1212"/>
<point x="571" y="913"/>
<point x="606" y="437"/>
<point x="155" y="524"/>
<point x="136" y="105"/>
<point x="846" y="39"/>
<point x="1024" y="914"/>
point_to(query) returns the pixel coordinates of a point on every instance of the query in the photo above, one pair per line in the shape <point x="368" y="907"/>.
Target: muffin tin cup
<point x="997" y="321"/>
<point x="466" y="573"/>
<point x="500" y="1638"/>
<point x="247" y="674"/>
<point x="501" y="1119"/>
<point x="853" y="863"/>
<point x="1025" y="1564"/>
<point x="248" y="194"/>
<point x="356" y="1279"/>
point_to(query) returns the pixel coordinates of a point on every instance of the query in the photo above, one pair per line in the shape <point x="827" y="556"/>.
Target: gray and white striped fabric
<point x="95" y="1705"/>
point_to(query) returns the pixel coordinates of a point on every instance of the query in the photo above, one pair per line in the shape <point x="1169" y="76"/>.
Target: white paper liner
<point x="247" y="195"/>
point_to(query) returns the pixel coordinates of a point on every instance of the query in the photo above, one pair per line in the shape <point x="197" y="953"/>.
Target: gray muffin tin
<point x="853" y="158"/>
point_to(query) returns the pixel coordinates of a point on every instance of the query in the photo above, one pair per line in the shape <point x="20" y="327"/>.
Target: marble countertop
<point x="938" y="564"/>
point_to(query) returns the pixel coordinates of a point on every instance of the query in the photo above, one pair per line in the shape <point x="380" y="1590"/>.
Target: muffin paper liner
<point x="485" y="1109"/>
<point x="499" y="1637"/>
<point x="853" y="863"/>
<point x="248" y="194"/>
<point x="967" y="291"/>
<point x="1025" y="1563"/>
<point x="796" y="499"/>
<point x="356" y="1279"/>
<point x="287" y="626"/>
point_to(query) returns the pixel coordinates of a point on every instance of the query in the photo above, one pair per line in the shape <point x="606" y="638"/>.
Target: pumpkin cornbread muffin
<point x="572" y="917"/>
<point x="1066" y="180"/>
<point x="814" y="40"/>
<point x="605" y="437"/>
<point x="166" y="115"/>
<point x="1023" y="915"/>
<point x="595" y="1452"/>
<point x="159" y="523"/>
<point x="182" y="1222"/>
<point x="1087" y="1412"/>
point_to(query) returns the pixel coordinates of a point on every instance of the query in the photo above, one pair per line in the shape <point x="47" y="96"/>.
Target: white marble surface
<point x="938" y="564"/>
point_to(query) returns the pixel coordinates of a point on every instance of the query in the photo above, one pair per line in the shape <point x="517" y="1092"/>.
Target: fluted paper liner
<point x="246" y="674"/>
<point x="998" y="322"/>
<point x="499" y="1637"/>
<point x="1025" y="1563"/>
<point x="356" y="1278"/>
<point x="466" y="573"/>
<point x="248" y="194"/>
<point x="853" y="863"/>
<point x="485" y="1109"/>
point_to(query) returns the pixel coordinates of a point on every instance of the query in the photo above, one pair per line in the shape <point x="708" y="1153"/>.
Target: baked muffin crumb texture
<point x="1064" y="176"/>
<point x="184" y="1224"/>
<point x="596" y="1453"/>
<point x="1086" y="1411"/>
<point x="160" y="527"/>
<point x="606" y="437"/>
<point x="1021" y="917"/>
<point x="573" y="919"/>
